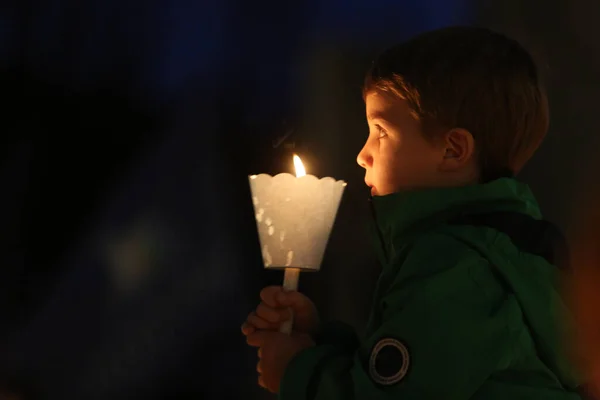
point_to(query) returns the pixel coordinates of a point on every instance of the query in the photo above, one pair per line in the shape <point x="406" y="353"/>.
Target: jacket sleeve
<point x="440" y="336"/>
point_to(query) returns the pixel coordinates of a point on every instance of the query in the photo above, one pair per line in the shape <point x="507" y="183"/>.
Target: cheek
<point x="388" y="166"/>
<point x="394" y="158"/>
<point x="407" y="165"/>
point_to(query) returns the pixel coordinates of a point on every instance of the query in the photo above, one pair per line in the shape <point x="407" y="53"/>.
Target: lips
<point x="373" y="190"/>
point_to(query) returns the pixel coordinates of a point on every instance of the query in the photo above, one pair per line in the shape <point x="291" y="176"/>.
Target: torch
<point x="294" y="217"/>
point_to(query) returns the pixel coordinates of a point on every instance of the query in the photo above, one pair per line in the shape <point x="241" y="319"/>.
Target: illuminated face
<point x="397" y="156"/>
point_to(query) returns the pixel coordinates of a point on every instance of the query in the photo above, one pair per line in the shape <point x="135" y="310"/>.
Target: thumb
<point x="293" y="299"/>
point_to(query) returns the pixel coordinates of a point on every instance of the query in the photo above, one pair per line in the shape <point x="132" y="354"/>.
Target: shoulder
<point x="443" y="257"/>
<point x="437" y="251"/>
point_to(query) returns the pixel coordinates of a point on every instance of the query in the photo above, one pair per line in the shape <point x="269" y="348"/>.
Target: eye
<point x="380" y="131"/>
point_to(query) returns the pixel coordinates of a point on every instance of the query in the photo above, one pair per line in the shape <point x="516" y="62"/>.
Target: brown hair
<point x="470" y="78"/>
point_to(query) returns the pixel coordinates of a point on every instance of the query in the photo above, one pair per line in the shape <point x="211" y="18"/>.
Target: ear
<point x="459" y="149"/>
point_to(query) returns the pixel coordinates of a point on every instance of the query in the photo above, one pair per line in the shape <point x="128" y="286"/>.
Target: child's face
<point x="396" y="155"/>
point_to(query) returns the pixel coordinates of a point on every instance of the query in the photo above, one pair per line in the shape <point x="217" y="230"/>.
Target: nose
<point x="364" y="158"/>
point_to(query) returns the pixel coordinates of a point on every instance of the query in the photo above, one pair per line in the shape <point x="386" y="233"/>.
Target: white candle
<point x="294" y="217"/>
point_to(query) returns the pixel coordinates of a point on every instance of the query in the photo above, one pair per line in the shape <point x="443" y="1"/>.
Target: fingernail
<point x="246" y="329"/>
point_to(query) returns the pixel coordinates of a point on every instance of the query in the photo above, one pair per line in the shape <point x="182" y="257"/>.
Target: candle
<point x="294" y="217"/>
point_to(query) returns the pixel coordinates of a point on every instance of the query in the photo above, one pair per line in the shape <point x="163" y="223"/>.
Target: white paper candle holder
<point x="294" y="218"/>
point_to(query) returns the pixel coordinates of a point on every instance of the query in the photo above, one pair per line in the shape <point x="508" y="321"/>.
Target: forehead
<point x="381" y="106"/>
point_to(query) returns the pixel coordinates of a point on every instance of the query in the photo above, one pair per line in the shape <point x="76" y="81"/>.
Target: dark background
<point x="129" y="255"/>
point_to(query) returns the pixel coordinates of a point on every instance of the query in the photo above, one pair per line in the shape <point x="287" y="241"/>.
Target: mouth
<point x="373" y="190"/>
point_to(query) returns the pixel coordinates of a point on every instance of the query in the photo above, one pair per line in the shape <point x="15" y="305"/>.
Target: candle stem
<point x="290" y="283"/>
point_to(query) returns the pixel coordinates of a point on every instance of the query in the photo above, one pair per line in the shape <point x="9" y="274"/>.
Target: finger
<point x="268" y="313"/>
<point x="247" y="328"/>
<point x="260" y="352"/>
<point x="258" y="338"/>
<point x="268" y="294"/>
<point x="293" y="299"/>
<point x="259" y="367"/>
<point x="260" y="323"/>
<point x="261" y="382"/>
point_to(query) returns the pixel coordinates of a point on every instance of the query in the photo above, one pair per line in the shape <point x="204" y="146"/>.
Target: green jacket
<point x="459" y="312"/>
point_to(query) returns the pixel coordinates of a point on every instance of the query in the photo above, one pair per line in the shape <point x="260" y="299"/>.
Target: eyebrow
<point x="376" y="115"/>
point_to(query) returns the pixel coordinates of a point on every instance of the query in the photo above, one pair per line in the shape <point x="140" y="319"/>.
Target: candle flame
<point x="300" y="171"/>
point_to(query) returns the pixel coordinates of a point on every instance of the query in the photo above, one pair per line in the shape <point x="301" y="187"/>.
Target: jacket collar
<point x="403" y="214"/>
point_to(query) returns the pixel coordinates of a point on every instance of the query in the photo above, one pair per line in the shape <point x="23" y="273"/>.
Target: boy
<point x="462" y="309"/>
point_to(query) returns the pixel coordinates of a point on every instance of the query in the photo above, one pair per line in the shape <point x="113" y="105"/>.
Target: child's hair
<point x="470" y="78"/>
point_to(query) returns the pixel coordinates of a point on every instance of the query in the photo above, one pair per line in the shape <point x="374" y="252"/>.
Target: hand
<point x="275" y="352"/>
<point x="274" y="309"/>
